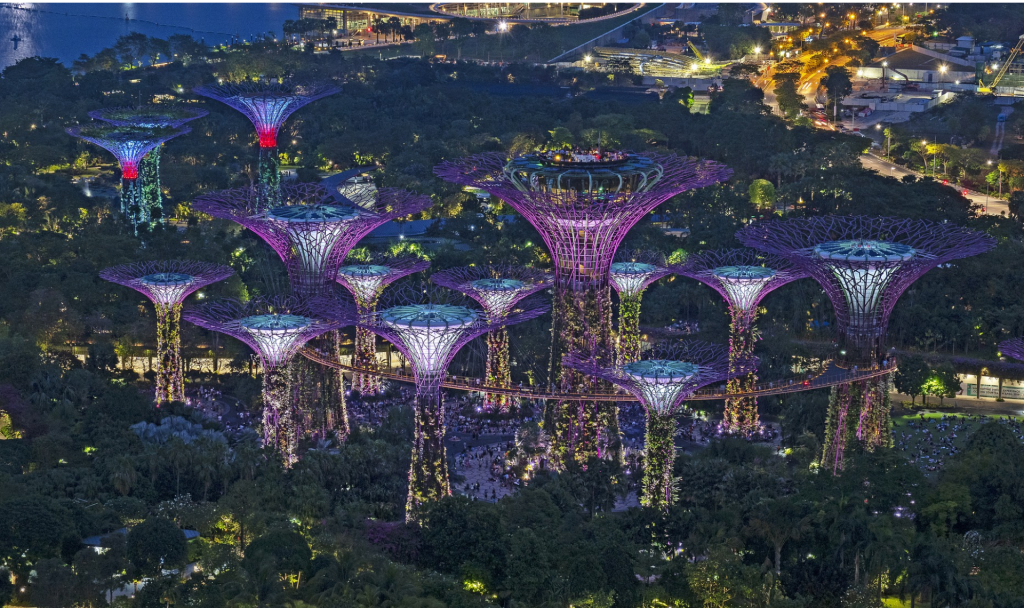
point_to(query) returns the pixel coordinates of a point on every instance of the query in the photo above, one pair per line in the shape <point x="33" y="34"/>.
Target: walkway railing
<point x="831" y="374"/>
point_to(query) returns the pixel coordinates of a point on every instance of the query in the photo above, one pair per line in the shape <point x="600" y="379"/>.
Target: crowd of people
<point x="929" y="442"/>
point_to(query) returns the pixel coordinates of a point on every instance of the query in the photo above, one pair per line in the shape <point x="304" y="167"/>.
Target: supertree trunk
<point x="270" y="174"/>
<point x="170" y="385"/>
<point x="365" y="357"/>
<point x="279" y="428"/>
<point x="428" y="472"/>
<point x="335" y="408"/>
<point x="659" y="489"/>
<point x="319" y="397"/>
<point x="874" y="427"/>
<point x="498" y="371"/>
<point x="151" y="205"/>
<point x="583" y="429"/>
<point x="838" y="426"/>
<point x="629" y="328"/>
<point x="741" y="412"/>
<point x="131" y="202"/>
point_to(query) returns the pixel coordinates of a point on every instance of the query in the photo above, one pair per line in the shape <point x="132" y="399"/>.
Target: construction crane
<point x="696" y="53"/>
<point x="1002" y="71"/>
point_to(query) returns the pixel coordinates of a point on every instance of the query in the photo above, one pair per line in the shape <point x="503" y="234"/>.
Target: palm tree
<point x="778" y="522"/>
<point x="123" y="475"/>
<point x="378" y="23"/>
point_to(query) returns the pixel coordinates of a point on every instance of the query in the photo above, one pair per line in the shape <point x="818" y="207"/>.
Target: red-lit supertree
<point x="275" y="329"/>
<point x="497" y="289"/>
<point x="313" y="230"/>
<point x="662" y="380"/>
<point x="864" y="264"/>
<point x="129" y="145"/>
<point x="153" y="116"/>
<point x="429" y="335"/>
<point x="630" y="276"/>
<point x="366" y="281"/>
<point x="582" y="204"/>
<point x="743" y="277"/>
<point x="267" y="105"/>
<point x="167" y="284"/>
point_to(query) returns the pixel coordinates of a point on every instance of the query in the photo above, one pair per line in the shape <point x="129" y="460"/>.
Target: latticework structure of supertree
<point x="151" y="116"/>
<point x="864" y="264"/>
<point x="267" y="105"/>
<point x="275" y="329"/>
<point x="129" y="145"/>
<point x="630" y="276"/>
<point x="497" y="289"/>
<point x="366" y="282"/>
<point x="582" y="204"/>
<point x="1013" y="348"/>
<point x="167" y="284"/>
<point x="429" y="336"/>
<point x="743" y="277"/>
<point x="662" y="381"/>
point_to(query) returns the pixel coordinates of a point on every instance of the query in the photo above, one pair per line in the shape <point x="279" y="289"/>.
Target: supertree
<point x="742" y="277"/>
<point x="630" y="277"/>
<point x="662" y="381"/>
<point x="1014" y="348"/>
<point x="275" y="328"/>
<point x="167" y="284"/>
<point x="864" y="264"/>
<point x="129" y="145"/>
<point x="267" y="105"/>
<point x="429" y="335"/>
<point x="154" y="116"/>
<point x="582" y="204"/>
<point x="366" y="282"/>
<point x="497" y="289"/>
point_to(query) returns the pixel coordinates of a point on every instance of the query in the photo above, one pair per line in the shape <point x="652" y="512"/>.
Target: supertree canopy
<point x="630" y="276"/>
<point x="429" y="336"/>
<point x="275" y="329"/>
<point x="309" y="227"/>
<point x="129" y="145"/>
<point x="1013" y="348"/>
<point x="662" y="381"/>
<point x="153" y="116"/>
<point x="497" y="289"/>
<point x="167" y="284"/>
<point x="582" y="203"/>
<point x="267" y="105"/>
<point x="366" y="282"/>
<point x="864" y="264"/>
<point x="742" y="277"/>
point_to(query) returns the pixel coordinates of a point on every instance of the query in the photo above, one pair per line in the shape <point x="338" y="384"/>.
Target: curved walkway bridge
<point x="831" y="374"/>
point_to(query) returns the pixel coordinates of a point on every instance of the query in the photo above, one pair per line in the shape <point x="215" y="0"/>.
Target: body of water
<point x="65" y="31"/>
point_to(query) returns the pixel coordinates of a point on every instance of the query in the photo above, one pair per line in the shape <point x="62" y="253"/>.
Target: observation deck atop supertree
<point x="582" y="203"/>
<point x="497" y="289"/>
<point x="275" y="329"/>
<point x="864" y="264"/>
<point x="167" y="284"/>
<point x="129" y="145"/>
<point x="267" y="106"/>
<point x="153" y="116"/>
<point x="309" y="227"/>
<point x="429" y="335"/>
<point x="743" y="277"/>
<point x="366" y="282"/>
<point x="662" y="381"/>
<point x="630" y="277"/>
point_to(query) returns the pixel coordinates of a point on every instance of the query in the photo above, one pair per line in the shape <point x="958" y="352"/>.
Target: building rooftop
<point x="909" y="59"/>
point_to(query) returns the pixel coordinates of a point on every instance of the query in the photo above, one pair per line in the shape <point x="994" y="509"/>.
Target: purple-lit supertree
<point x="154" y="116"/>
<point x="366" y="282"/>
<point x="1014" y="348"/>
<point x="662" y="381"/>
<point x="429" y="335"/>
<point x="275" y="329"/>
<point x="267" y="105"/>
<point x="743" y="277"/>
<point x="864" y="264"/>
<point x="497" y="289"/>
<point x="582" y="204"/>
<point x="167" y="284"/>
<point x="630" y="277"/>
<point x="313" y="230"/>
<point x="129" y="145"/>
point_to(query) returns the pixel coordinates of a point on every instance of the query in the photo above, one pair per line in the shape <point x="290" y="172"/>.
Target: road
<point x="997" y="140"/>
<point x="989" y="205"/>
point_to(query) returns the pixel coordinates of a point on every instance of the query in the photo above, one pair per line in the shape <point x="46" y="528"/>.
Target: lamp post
<point x="988" y="185"/>
<point x="942" y="73"/>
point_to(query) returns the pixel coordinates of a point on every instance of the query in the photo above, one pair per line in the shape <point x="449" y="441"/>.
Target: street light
<point x="942" y="72"/>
